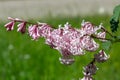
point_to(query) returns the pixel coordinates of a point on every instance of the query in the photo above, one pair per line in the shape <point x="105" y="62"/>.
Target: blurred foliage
<point x="24" y="59"/>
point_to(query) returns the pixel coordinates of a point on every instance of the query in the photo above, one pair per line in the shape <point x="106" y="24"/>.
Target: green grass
<point x="24" y="59"/>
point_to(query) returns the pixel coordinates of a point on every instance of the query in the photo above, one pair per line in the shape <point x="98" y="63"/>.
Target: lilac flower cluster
<point x="67" y="40"/>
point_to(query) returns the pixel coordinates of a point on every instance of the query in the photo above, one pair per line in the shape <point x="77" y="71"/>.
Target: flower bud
<point x="22" y="27"/>
<point x="90" y="69"/>
<point x="101" y="56"/>
<point x="10" y="25"/>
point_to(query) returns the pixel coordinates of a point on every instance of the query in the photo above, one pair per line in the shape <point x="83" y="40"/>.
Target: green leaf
<point x="114" y="21"/>
<point x="106" y="45"/>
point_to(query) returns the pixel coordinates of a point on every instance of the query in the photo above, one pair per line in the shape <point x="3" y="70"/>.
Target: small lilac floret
<point x="22" y="27"/>
<point x="87" y="28"/>
<point x="45" y="30"/>
<point x="33" y="31"/>
<point x="10" y="26"/>
<point x="102" y="35"/>
<point x="101" y="56"/>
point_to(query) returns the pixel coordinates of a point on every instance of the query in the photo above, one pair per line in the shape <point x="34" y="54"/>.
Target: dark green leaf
<point x="114" y="21"/>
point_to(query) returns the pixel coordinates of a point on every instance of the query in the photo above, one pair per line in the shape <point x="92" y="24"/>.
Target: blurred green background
<point x="24" y="59"/>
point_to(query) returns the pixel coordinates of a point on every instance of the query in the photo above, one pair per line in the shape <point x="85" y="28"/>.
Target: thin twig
<point x="101" y="38"/>
<point x="107" y="31"/>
